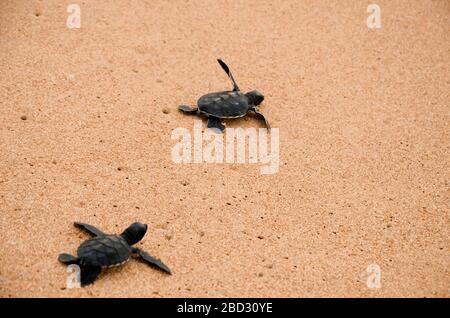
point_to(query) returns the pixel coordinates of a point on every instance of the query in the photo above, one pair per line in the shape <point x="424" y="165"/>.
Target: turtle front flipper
<point x="261" y="116"/>
<point x="68" y="259"/>
<point x="89" y="274"/>
<point x="187" y="109"/>
<point x="227" y="70"/>
<point x="89" y="228"/>
<point x="214" y="122"/>
<point x="152" y="260"/>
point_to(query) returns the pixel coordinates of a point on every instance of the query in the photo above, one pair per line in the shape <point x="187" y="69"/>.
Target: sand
<point x="363" y="117"/>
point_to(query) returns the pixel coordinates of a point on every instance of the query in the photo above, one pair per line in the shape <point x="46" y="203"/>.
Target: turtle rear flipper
<point x="152" y="260"/>
<point x="187" y="109"/>
<point x="68" y="259"/>
<point x="89" y="274"/>
<point x="214" y="123"/>
<point x="89" y="228"/>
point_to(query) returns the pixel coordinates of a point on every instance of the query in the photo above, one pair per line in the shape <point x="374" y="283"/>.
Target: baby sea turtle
<point x="108" y="251"/>
<point x="227" y="104"/>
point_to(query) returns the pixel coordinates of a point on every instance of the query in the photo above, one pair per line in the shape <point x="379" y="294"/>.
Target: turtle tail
<point x="68" y="259"/>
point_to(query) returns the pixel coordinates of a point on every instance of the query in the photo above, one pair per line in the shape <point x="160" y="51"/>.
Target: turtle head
<point x="134" y="233"/>
<point x="255" y="97"/>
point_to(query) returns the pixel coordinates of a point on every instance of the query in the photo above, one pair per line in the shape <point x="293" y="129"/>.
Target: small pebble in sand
<point x="165" y="110"/>
<point x="23" y="117"/>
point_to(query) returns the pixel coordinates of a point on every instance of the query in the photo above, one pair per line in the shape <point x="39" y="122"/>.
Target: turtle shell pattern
<point x="104" y="251"/>
<point x="227" y="104"/>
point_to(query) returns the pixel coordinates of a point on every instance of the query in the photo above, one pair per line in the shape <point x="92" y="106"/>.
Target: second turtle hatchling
<point x="105" y="250"/>
<point x="227" y="104"/>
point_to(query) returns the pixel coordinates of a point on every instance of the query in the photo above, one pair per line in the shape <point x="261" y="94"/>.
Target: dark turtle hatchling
<point x="105" y="250"/>
<point x="227" y="104"/>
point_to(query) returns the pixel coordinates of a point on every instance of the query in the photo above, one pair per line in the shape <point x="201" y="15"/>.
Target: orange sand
<point x="364" y="140"/>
